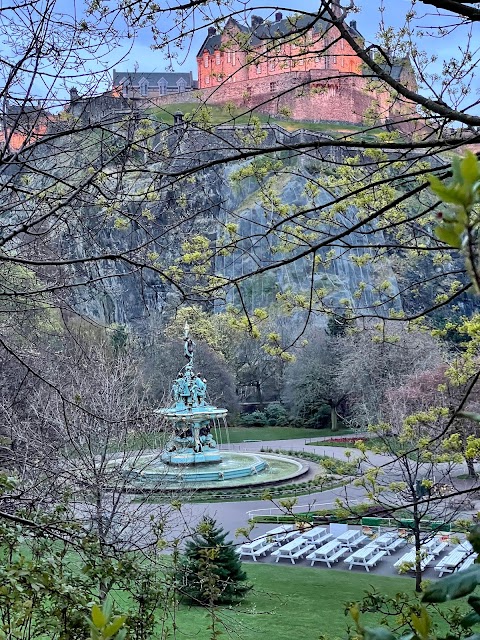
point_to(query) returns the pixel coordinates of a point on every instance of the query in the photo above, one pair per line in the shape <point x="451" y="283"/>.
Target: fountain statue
<point x="192" y="456"/>
<point x="191" y="416"/>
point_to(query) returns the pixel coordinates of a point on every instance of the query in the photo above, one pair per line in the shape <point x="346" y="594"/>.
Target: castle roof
<point x="134" y="78"/>
<point x="265" y="30"/>
<point x="394" y="69"/>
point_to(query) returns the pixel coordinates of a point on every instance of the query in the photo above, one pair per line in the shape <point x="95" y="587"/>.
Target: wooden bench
<point x="358" y="541"/>
<point x="328" y="559"/>
<point x="396" y="544"/>
<point x="467" y="563"/>
<point x="366" y="563"/>
<point x="372" y="562"/>
<point x="292" y="556"/>
<point x="245" y="550"/>
<point x="436" y="551"/>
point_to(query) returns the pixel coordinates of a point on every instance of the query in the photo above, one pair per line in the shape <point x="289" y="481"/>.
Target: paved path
<point x="234" y="515"/>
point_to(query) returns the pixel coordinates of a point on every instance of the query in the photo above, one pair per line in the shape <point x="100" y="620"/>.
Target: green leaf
<point x="469" y="168"/>
<point x="446" y="194"/>
<point x="98" y="619"/>
<point x="378" y="633"/>
<point x="468" y="414"/>
<point x="422" y="623"/>
<point x="115" y="625"/>
<point x="474" y="538"/>
<point x="453" y="587"/>
<point x="456" y="170"/>
<point x="449" y="236"/>
<point x="107" y="609"/>
<point x="470" y="619"/>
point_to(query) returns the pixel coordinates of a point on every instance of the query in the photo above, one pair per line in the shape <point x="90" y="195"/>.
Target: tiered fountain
<point x="192" y="456"/>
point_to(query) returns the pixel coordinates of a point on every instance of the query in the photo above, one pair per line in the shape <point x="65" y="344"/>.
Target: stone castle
<point x="297" y="67"/>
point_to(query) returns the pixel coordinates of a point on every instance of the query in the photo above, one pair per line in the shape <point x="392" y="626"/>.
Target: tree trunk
<point x="418" y="557"/>
<point x="471" y="468"/>
<point x="333" y="418"/>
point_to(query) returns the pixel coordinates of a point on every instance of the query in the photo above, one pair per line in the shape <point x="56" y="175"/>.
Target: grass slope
<point x="240" y="434"/>
<point x="292" y="602"/>
<point x="221" y="115"/>
<point x="236" y="434"/>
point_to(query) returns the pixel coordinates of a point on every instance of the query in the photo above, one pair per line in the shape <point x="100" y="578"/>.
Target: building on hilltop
<point x="272" y="49"/>
<point x="298" y="66"/>
<point x="22" y="123"/>
<point x="144" y="85"/>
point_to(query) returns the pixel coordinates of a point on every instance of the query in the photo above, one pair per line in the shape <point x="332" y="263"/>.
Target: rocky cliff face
<point x="184" y="187"/>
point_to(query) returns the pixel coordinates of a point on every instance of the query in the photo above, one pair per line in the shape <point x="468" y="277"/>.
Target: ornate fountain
<point x="192" y="456"/>
<point x="190" y="417"/>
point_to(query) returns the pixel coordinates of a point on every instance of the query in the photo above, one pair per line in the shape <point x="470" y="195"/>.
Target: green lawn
<point x="221" y="115"/>
<point x="292" y="602"/>
<point x="236" y="434"/>
<point x="240" y="434"/>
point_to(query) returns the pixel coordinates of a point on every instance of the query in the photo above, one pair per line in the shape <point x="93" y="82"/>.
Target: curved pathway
<point x="234" y="515"/>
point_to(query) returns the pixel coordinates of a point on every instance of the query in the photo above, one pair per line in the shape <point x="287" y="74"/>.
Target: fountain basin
<point x="236" y="469"/>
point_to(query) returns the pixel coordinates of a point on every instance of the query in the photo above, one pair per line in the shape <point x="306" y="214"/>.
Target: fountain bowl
<point x="236" y="469"/>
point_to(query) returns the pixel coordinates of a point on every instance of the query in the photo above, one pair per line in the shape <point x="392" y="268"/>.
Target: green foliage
<point x="211" y="571"/>
<point x="414" y="619"/>
<point x="254" y="419"/>
<point x="105" y="625"/>
<point x="460" y="221"/>
<point x="275" y="415"/>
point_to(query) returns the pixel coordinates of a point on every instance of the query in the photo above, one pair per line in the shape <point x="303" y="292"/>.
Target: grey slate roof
<point x="395" y="69"/>
<point x="267" y="30"/>
<point x="152" y="78"/>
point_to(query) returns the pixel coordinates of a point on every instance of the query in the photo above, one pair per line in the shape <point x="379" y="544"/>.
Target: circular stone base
<point x="148" y="472"/>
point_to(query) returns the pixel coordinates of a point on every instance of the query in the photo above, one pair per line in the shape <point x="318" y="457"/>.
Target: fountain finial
<point x="189" y="344"/>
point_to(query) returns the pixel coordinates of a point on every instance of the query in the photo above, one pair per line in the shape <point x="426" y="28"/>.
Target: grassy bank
<point x="289" y="602"/>
<point x="236" y="435"/>
<point x="219" y="114"/>
<point x="242" y="434"/>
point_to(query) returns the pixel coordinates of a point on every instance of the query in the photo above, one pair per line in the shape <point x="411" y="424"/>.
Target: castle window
<point x="217" y="58"/>
<point x="143" y="85"/>
<point x="205" y="62"/>
<point x="334" y="59"/>
<point x="259" y="69"/>
<point x="342" y="44"/>
<point x="207" y="79"/>
<point x="229" y="57"/>
<point x="162" y="86"/>
<point x="181" y="84"/>
<point x="272" y="64"/>
<point x="301" y="61"/>
<point x="233" y="58"/>
<point x="317" y="59"/>
<point x="273" y="86"/>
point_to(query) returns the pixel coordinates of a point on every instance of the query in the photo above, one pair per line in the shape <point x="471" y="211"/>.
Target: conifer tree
<point x="212" y="570"/>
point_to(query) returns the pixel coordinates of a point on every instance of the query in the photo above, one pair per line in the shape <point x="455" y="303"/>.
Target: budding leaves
<point x="104" y="625"/>
<point x="463" y="192"/>
<point x="449" y="235"/>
